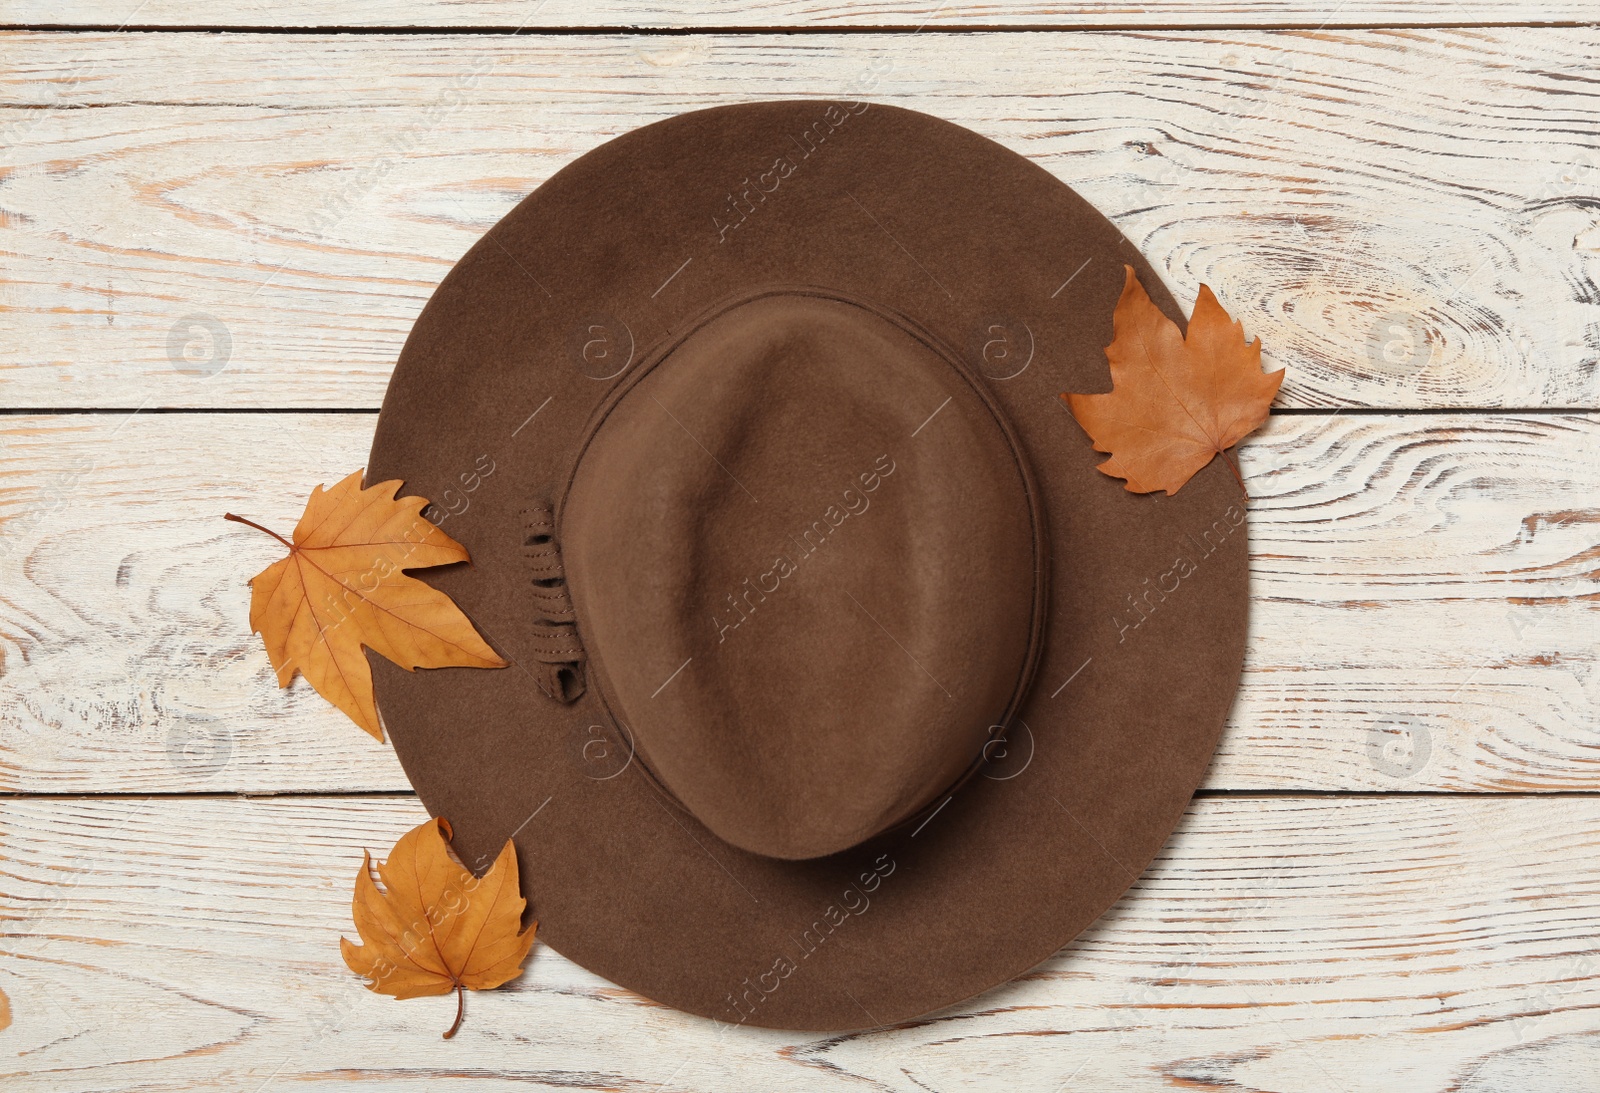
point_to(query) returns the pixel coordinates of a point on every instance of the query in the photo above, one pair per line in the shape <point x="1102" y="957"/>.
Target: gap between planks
<point x="1202" y="793"/>
<point x="818" y="31"/>
<point x="1276" y="411"/>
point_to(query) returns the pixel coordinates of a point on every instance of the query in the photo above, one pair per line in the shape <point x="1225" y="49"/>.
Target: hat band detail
<point x="554" y="639"/>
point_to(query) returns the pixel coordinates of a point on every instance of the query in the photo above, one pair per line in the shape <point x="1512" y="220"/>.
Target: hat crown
<point x="806" y="562"/>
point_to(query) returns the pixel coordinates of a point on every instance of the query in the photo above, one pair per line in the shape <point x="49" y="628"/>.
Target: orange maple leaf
<point x="343" y="588"/>
<point x="435" y="928"/>
<point x="1176" y="402"/>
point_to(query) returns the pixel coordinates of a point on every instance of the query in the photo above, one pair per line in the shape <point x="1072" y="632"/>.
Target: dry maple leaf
<point x="342" y="587"/>
<point x="434" y="927"/>
<point x="1175" y="402"/>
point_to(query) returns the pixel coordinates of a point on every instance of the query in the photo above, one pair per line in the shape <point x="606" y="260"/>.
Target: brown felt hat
<point x="843" y="685"/>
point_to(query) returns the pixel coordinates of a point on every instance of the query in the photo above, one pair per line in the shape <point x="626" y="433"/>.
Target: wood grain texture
<point x="809" y="14"/>
<point x="1424" y="616"/>
<point x="1406" y="218"/>
<point x="1410" y="945"/>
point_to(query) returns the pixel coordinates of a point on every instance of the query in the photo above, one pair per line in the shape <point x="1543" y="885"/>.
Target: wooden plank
<point x="1412" y="945"/>
<point x="1424" y="613"/>
<point x="810" y="14"/>
<point x="1406" y="218"/>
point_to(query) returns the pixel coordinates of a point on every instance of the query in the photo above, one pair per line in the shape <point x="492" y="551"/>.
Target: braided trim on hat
<point x="555" y="643"/>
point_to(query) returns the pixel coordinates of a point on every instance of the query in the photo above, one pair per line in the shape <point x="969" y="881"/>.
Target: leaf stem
<point x="461" y="1002"/>
<point x="258" y="527"/>
<point x="1234" y="467"/>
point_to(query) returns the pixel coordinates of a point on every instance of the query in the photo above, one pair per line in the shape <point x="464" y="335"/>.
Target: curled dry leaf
<point x="434" y="927"/>
<point x="343" y="587"/>
<point x="5" y="1012"/>
<point x="1176" y="401"/>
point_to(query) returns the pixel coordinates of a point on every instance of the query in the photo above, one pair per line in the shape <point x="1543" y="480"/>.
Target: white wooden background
<point x="214" y="240"/>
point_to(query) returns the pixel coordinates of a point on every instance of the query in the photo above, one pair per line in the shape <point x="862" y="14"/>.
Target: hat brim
<point x="1147" y="603"/>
